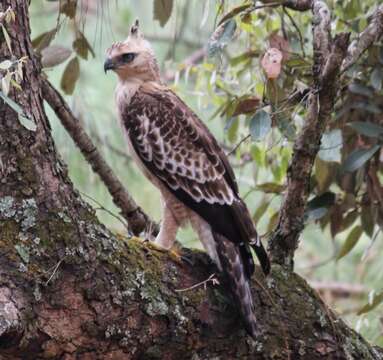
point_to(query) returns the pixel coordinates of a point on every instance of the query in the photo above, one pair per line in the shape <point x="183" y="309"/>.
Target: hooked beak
<point x="109" y="65"/>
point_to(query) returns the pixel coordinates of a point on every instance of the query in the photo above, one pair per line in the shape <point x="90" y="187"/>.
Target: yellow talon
<point x="174" y="251"/>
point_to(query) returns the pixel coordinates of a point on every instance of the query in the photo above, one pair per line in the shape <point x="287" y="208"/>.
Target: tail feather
<point x="248" y="232"/>
<point x="235" y="273"/>
<point x="261" y="255"/>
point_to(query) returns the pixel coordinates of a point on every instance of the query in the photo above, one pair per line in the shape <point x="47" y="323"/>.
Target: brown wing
<point x="177" y="148"/>
<point x="169" y="138"/>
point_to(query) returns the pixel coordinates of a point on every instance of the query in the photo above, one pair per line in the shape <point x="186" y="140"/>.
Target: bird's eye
<point x="128" y="57"/>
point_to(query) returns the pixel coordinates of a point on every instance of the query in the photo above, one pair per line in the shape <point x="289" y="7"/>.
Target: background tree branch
<point x="366" y="38"/>
<point x="328" y="57"/>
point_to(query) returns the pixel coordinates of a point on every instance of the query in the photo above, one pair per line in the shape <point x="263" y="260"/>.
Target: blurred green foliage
<point x="255" y="119"/>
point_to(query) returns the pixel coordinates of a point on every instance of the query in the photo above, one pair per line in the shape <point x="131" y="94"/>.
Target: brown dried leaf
<point x="336" y="220"/>
<point x="247" y="105"/>
<point x="54" y="55"/>
<point x="162" y="10"/>
<point x="68" y="7"/>
<point x="272" y="63"/>
<point x="82" y="47"/>
<point x="70" y="76"/>
<point x="43" y="40"/>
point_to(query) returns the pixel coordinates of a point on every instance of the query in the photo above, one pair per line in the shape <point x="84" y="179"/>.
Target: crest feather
<point x="135" y="29"/>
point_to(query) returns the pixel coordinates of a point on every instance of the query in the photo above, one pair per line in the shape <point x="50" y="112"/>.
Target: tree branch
<point x="299" y="5"/>
<point x="328" y="57"/>
<point x="365" y="39"/>
<point x="137" y="220"/>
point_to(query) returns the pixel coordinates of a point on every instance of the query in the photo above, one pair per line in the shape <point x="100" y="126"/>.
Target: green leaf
<point x="285" y="125"/>
<point x="376" y="78"/>
<point x="367" y="106"/>
<point x="324" y="174"/>
<point x="318" y="206"/>
<point x="221" y="37"/>
<point x="7" y="38"/>
<point x="360" y="89"/>
<point x="273" y="222"/>
<point x="358" y="158"/>
<point x="350" y="242"/>
<point x="24" y="120"/>
<point x="246" y="56"/>
<point x="331" y="146"/>
<point x="376" y="300"/>
<point x="367" y="128"/>
<point x="260" y="125"/>
<point x="270" y="188"/>
<point x="70" y="76"/>
<point x="258" y="155"/>
<point x="231" y="127"/>
<point x="162" y="10"/>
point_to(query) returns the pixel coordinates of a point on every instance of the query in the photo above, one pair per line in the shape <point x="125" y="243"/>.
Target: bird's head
<point x="133" y="59"/>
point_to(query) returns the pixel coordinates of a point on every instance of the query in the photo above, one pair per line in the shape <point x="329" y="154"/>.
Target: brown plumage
<point x="180" y="156"/>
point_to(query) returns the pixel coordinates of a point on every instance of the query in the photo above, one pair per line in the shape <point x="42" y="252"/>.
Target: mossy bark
<point x="69" y="289"/>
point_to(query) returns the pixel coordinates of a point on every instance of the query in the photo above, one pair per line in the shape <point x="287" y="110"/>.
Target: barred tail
<point x="234" y="270"/>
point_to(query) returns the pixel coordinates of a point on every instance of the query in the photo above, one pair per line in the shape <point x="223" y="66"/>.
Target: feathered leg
<point x="234" y="271"/>
<point x="205" y="234"/>
<point x="168" y="230"/>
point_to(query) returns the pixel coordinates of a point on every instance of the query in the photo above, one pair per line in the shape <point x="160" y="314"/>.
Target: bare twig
<point x="123" y="154"/>
<point x="211" y="279"/>
<point x="366" y="38"/>
<point x="338" y="288"/>
<point x="232" y="151"/>
<point x="54" y="271"/>
<point x="103" y="208"/>
<point x="301" y="40"/>
<point x="136" y="218"/>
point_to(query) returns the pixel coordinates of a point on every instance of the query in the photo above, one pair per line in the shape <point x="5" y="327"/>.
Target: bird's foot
<point x="174" y="252"/>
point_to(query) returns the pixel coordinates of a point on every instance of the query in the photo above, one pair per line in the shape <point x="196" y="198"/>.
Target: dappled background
<point x="224" y="80"/>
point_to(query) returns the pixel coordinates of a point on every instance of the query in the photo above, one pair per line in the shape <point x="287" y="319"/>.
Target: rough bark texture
<point x="69" y="289"/>
<point x="137" y="220"/>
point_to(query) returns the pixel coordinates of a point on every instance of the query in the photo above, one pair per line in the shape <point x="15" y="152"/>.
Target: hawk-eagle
<point x="180" y="156"/>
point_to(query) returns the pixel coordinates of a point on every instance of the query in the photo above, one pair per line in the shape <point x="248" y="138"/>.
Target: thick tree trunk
<point x="69" y="289"/>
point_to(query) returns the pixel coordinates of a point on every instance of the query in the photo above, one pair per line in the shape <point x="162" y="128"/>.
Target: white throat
<point x="125" y="90"/>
